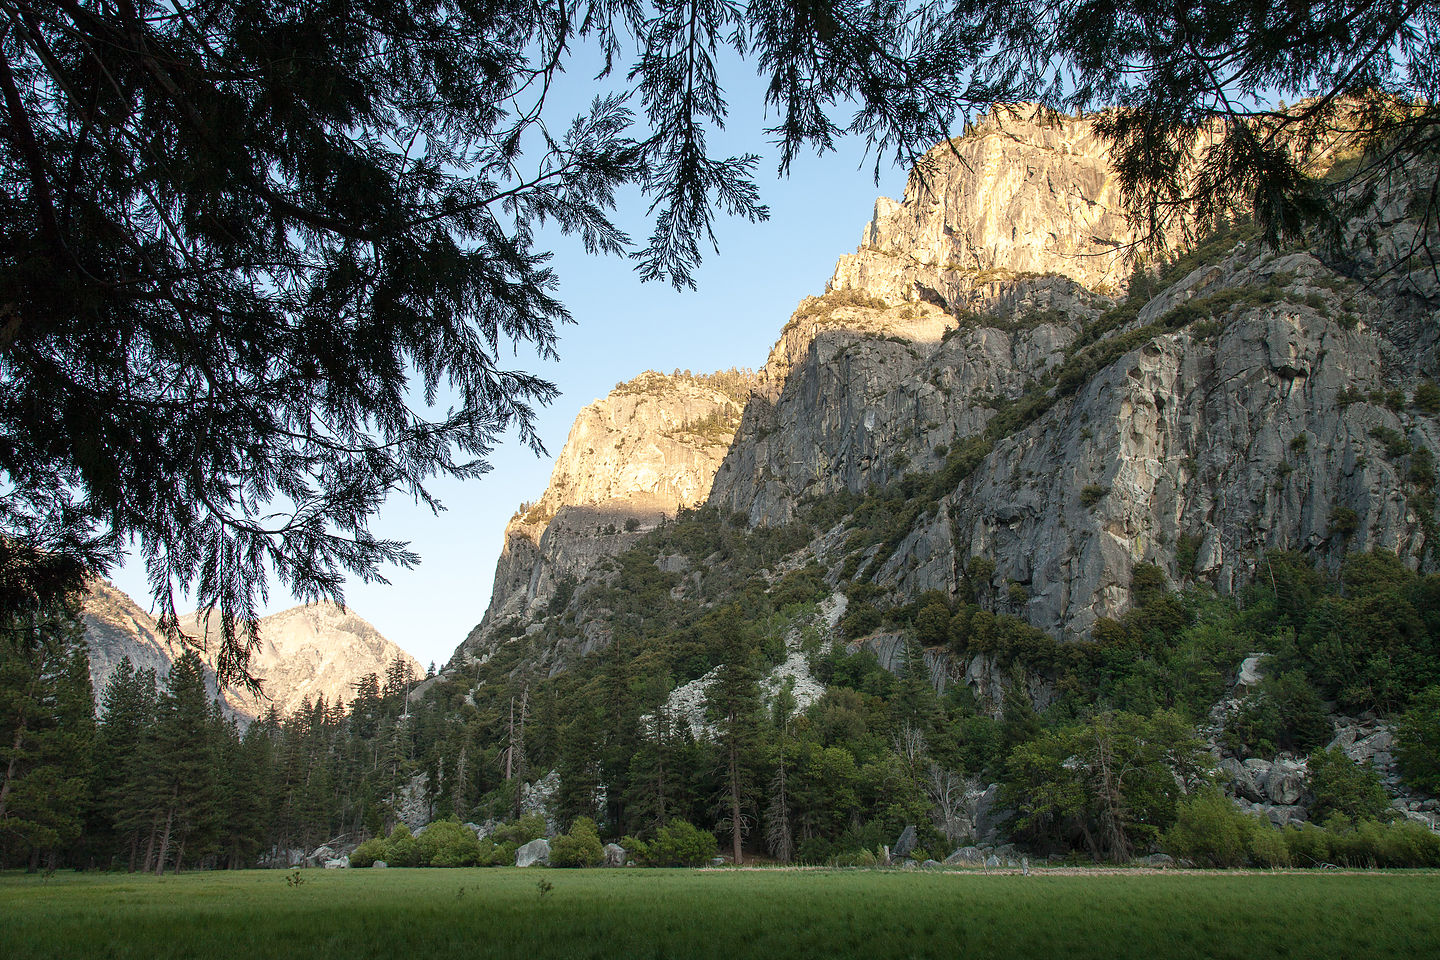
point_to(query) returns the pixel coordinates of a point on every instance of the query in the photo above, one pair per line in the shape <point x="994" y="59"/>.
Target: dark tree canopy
<point x="246" y="247"/>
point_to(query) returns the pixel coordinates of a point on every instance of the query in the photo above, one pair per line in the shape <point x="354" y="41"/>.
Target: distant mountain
<point x="312" y="651"/>
<point x="308" y="651"/>
<point x="116" y="627"/>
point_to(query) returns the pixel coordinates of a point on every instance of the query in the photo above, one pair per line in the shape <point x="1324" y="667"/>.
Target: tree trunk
<point x="150" y="847"/>
<point x="165" y="841"/>
<point x="660" y="766"/>
<point x="10" y="768"/>
<point x="735" y="801"/>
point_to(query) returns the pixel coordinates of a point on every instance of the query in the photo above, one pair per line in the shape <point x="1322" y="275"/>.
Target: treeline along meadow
<point x="1101" y="750"/>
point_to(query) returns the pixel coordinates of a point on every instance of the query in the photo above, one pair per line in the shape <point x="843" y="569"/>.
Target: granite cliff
<point x="992" y="359"/>
<point x="648" y="449"/>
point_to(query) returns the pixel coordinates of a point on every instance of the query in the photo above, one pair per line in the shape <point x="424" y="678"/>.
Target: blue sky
<point x="744" y="296"/>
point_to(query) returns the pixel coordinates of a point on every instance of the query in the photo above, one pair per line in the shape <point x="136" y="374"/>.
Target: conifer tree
<point x="183" y="791"/>
<point x="46" y="733"/>
<point x="127" y="712"/>
<point x="733" y="701"/>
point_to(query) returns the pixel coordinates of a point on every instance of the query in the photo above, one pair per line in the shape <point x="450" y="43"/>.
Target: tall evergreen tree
<point x="47" y="733"/>
<point x="733" y="701"/>
<point x="127" y="712"/>
<point x="183" y="789"/>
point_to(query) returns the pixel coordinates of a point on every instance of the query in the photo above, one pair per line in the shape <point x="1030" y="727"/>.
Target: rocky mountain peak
<point x="1023" y="194"/>
<point x="647" y="449"/>
<point x="308" y="651"/>
<point x="979" y="383"/>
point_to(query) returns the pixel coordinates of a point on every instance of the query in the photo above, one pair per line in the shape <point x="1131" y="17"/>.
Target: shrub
<point x="1427" y="397"/>
<point x="579" y="848"/>
<point x="1307" y="844"/>
<point x="1093" y="493"/>
<point x="403" y="849"/>
<point x="1417" y="735"/>
<point x="856" y="858"/>
<point x="1407" y="844"/>
<point x="860" y="619"/>
<point x="1187" y="551"/>
<point x="368" y="852"/>
<point x="1422" y="468"/>
<point x="522" y="831"/>
<point x="1210" y="831"/>
<point x="1267" y="846"/>
<point x="501" y="855"/>
<point x="1345" y="789"/>
<point x="678" y="844"/>
<point x="449" y="843"/>
<point x="932" y="623"/>
<point x="1343" y="521"/>
<point x="1396" y="443"/>
<point x="1285" y="713"/>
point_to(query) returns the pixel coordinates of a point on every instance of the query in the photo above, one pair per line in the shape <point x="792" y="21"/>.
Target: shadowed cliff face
<point x="1250" y="399"/>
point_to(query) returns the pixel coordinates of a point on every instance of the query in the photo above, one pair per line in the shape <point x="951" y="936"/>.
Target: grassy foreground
<point x="773" y="914"/>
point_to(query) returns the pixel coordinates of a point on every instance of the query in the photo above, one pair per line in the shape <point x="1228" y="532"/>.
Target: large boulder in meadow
<point x="905" y="845"/>
<point x="615" y="855"/>
<point x="966" y="855"/>
<point x="536" y="851"/>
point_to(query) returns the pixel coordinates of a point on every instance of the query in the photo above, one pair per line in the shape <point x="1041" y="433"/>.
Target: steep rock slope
<point x="116" y="627"/>
<point x="1019" y="195"/>
<point x="978" y="364"/>
<point x="647" y="449"/>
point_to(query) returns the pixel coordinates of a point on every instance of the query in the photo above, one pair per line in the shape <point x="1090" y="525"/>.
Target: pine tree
<point x="653" y="777"/>
<point x="47" y="734"/>
<point x="779" y="835"/>
<point x="127" y="712"/>
<point x="183" y="789"/>
<point x="733" y="701"/>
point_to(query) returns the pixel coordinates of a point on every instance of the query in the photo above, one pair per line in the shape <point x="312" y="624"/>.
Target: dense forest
<point x="1101" y="750"/>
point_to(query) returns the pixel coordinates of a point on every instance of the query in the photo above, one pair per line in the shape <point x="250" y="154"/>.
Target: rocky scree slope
<point x="978" y="362"/>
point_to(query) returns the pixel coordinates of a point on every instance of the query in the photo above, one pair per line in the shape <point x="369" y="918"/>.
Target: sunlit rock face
<point x="648" y="449"/>
<point x="1261" y="400"/>
<point x="308" y="652"/>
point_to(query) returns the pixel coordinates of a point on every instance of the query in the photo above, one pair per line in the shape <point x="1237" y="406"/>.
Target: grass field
<point x="650" y="914"/>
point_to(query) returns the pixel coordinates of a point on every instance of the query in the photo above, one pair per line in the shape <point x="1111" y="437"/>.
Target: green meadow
<point x="724" y="914"/>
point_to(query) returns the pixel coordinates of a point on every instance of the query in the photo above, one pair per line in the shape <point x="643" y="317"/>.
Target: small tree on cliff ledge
<point x="240" y="239"/>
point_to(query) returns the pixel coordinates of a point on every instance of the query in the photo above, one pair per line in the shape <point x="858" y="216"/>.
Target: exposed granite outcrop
<point x="1251" y="404"/>
<point x="648" y="449"/>
<point x="1021" y="194"/>
<point x="311" y="651"/>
